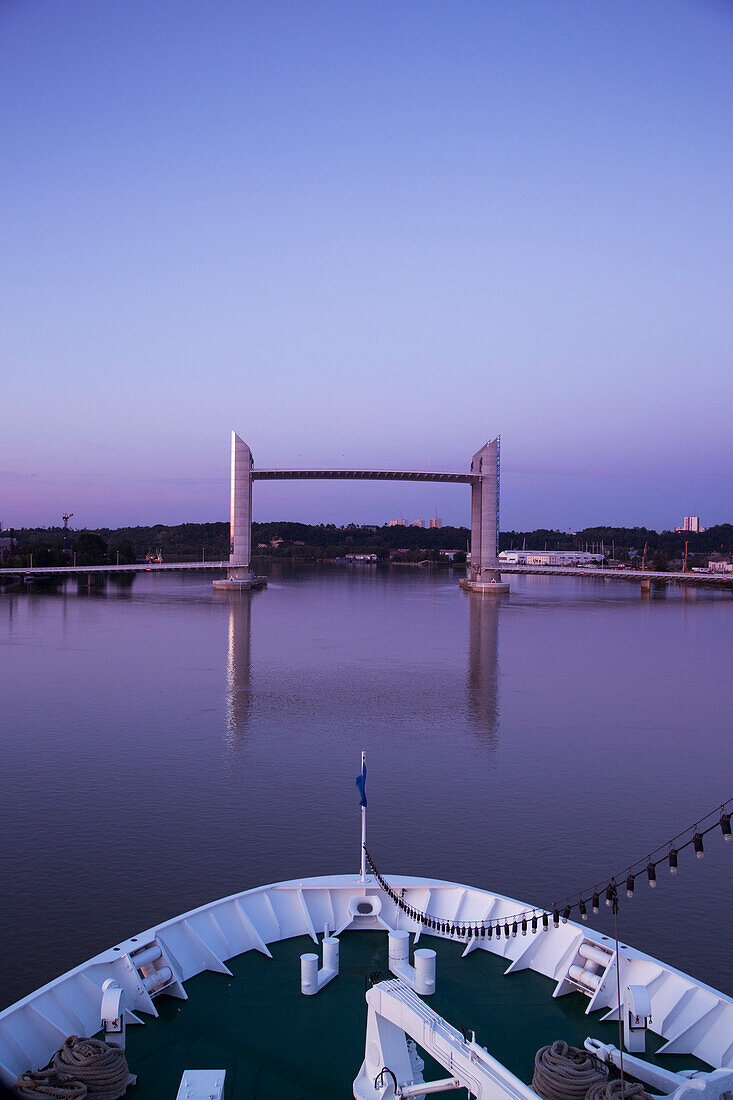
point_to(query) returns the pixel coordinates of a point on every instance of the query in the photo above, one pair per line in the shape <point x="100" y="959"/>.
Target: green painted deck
<point x="276" y="1043"/>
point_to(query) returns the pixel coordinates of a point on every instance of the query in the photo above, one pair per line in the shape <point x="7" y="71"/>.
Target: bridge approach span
<point x="458" y="478"/>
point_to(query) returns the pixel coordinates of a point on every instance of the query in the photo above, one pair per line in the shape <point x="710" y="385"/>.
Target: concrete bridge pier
<point x="239" y="574"/>
<point x="483" y="573"/>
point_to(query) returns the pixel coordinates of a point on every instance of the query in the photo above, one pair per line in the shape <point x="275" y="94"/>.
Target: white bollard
<point x="421" y="976"/>
<point x="589" y="978"/>
<point x="399" y="947"/>
<point x="157" y="978"/>
<point x="309" y="974"/>
<point x="595" y="955"/>
<point x="311" y="978"/>
<point x="424" y="971"/>
<point x="331" y="954"/>
<point x="146" y="956"/>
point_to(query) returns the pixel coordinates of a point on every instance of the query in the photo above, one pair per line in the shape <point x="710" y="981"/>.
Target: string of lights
<point x="530" y="920"/>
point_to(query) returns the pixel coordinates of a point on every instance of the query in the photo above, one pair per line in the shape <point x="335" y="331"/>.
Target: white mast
<point x="362" y="877"/>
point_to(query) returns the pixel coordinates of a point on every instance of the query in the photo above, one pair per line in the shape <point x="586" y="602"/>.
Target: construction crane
<point x="66" y="519"/>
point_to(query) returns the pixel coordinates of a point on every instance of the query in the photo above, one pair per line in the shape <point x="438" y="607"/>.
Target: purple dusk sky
<point x="366" y="233"/>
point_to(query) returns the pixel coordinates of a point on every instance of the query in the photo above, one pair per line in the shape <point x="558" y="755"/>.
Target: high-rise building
<point x="397" y="522"/>
<point x="690" y="523"/>
<point x="436" y="521"/>
<point x="418" y="523"/>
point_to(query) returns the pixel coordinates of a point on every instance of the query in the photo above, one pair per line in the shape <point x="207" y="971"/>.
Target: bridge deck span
<point x="148" y="567"/>
<point x="720" y="580"/>
<point x="455" y="478"/>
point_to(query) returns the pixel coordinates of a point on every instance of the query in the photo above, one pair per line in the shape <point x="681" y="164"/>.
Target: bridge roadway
<point x="140" y="567"/>
<point x="721" y="580"/>
<point x="459" y="478"/>
<point x="714" y="580"/>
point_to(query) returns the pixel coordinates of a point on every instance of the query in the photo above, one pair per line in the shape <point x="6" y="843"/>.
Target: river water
<point x="163" y="745"/>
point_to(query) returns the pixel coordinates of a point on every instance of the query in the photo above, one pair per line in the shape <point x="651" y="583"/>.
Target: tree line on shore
<point x="311" y="542"/>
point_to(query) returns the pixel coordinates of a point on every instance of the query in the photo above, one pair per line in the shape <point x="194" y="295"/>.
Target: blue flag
<point x="361" y="785"/>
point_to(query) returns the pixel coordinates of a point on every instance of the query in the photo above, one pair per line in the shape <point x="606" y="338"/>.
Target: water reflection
<point x="238" y="690"/>
<point x="483" y="653"/>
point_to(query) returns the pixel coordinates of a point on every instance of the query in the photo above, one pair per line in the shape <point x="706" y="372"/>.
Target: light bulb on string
<point x="697" y="842"/>
<point x="651" y="873"/>
<point x="672" y="857"/>
<point x="725" y="826"/>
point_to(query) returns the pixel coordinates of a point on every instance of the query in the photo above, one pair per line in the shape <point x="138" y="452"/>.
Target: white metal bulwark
<point x="693" y="1018"/>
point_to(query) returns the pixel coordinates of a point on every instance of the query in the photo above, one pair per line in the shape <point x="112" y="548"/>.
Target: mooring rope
<point x="47" y="1084"/>
<point x="562" y="1072"/>
<point x="618" y="1090"/>
<point x="99" y="1066"/>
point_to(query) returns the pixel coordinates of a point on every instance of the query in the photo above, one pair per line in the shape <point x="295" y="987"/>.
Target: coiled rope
<point x="99" y="1066"/>
<point x="47" y="1084"/>
<point x="618" y="1090"/>
<point x="562" y="1072"/>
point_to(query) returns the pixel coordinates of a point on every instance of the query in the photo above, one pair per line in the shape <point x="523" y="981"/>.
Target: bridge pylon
<point x="483" y="573"/>
<point x="240" y="574"/>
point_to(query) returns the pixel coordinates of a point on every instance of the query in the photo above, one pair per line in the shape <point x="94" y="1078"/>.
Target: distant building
<point x="550" y="557"/>
<point x="369" y="558"/>
<point x="720" y="566"/>
<point x="418" y="523"/>
<point x="690" y="523"/>
<point x="6" y="548"/>
<point x="436" y="521"/>
<point x="398" y="523"/>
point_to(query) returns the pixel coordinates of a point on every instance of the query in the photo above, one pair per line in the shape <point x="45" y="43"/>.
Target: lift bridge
<point x="484" y="573"/>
